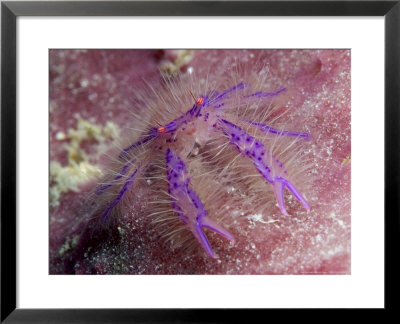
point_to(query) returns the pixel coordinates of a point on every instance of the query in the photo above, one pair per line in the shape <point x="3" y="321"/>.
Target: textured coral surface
<point x="91" y="103"/>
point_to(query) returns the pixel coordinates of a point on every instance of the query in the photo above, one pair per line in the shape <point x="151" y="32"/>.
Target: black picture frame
<point x="10" y="10"/>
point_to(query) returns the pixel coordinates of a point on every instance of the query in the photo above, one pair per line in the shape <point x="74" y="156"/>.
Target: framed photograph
<point x="164" y="159"/>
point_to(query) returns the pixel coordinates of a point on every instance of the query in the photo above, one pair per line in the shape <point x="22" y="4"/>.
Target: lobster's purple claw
<point x="188" y="205"/>
<point x="202" y="238"/>
<point x="279" y="185"/>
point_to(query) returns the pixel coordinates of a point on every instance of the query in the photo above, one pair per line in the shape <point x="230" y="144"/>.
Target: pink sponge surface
<point x="96" y="86"/>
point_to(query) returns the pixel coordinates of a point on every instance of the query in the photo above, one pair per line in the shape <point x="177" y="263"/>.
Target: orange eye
<point x="161" y="130"/>
<point x="199" y="101"/>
